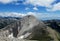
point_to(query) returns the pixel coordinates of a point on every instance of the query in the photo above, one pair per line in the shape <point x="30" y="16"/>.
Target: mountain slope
<point x="30" y="28"/>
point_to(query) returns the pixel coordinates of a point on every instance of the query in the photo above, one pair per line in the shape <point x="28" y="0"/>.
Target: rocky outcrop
<point x="14" y="39"/>
<point x="29" y="27"/>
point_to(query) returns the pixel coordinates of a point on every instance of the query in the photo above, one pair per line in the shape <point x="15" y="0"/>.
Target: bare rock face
<point x="29" y="27"/>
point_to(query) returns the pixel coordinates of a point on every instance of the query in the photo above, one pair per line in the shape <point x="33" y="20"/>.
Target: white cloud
<point x="55" y="7"/>
<point x="46" y="3"/>
<point x="44" y="15"/>
<point x="12" y="14"/>
<point x="37" y="15"/>
<point x="31" y="13"/>
<point x="27" y="8"/>
<point x="35" y="8"/>
<point x="7" y="1"/>
<point x="16" y="3"/>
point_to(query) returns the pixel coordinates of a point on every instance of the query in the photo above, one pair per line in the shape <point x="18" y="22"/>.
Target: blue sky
<point x="42" y="9"/>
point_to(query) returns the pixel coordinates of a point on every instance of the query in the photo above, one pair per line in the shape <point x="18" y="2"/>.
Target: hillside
<point x="30" y="28"/>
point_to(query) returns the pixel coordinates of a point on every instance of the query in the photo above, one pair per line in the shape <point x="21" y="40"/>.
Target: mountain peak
<point x="29" y="28"/>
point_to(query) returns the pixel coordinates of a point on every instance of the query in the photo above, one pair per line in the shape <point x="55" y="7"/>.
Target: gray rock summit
<point x="29" y="27"/>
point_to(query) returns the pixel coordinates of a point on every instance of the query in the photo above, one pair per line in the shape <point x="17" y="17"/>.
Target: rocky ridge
<point x="30" y="28"/>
